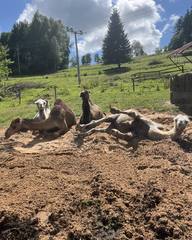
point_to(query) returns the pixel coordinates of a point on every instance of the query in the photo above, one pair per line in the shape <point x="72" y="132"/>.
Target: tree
<point x="116" y="46"/>
<point x="39" y="47"/>
<point x="183" y="31"/>
<point x="4" y="63"/>
<point x="97" y="58"/>
<point x="86" y="59"/>
<point x="73" y="62"/>
<point x="158" y="51"/>
<point x="137" y="49"/>
<point x="83" y="60"/>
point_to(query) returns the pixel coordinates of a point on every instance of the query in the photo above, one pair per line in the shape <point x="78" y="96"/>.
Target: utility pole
<point x="71" y="30"/>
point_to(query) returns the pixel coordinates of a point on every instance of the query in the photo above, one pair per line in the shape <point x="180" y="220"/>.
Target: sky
<point x="149" y="21"/>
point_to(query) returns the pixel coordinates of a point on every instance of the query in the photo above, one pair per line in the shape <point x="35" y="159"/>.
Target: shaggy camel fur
<point x="137" y="125"/>
<point x="90" y="111"/>
<point x="61" y="119"/>
<point x="43" y="110"/>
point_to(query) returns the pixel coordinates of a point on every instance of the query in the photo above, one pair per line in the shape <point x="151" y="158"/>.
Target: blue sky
<point x="10" y="10"/>
<point x="176" y="7"/>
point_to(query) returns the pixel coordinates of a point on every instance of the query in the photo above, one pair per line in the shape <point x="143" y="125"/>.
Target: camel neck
<point x="42" y="113"/>
<point x="86" y="106"/>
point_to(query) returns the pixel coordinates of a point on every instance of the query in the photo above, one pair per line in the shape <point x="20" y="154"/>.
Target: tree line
<point x="39" y="47"/>
<point x="183" y="31"/>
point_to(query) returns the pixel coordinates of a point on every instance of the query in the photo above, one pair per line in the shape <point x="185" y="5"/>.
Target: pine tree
<point x="86" y="59"/>
<point x="97" y="58"/>
<point x="183" y="31"/>
<point x="116" y="46"/>
<point x="4" y="63"/>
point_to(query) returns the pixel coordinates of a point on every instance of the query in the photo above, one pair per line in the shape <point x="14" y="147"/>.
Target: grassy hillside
<point x="107" y="87"/>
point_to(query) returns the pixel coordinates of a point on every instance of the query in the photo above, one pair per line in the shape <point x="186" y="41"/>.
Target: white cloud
<point x="174" y="18"/>
<point x="139" y="18"/>
<point x="27" y="13"/>
<point x="171" y="23"/>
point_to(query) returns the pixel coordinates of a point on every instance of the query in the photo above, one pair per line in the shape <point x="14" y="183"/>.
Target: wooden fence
<point x="153" y="75"/>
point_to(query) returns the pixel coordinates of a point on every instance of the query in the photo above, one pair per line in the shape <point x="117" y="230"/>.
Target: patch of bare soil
<point x="96" y="189"/>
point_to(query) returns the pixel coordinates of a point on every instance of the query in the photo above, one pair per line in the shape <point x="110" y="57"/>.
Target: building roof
<point x="182" y="50"/>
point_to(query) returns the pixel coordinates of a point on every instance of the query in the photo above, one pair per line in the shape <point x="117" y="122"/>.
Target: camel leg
<point x="114" y="132"/>
<point x="95" y="130"/>
<point x="120" y="135"/>
<point x="62" y="129"/>
<point x="95" y="123"/>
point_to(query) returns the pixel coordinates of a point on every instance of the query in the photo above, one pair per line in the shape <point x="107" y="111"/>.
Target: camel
<point x="43" y="109"/>
<point x="61" y="119"/>
<point x="130" y="123"/>
<point x="90" y="111"/>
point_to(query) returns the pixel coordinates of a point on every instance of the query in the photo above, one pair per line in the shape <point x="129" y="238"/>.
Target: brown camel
<point x="90" y="111"/>
<point x="61" y="119"/>
<point x="130" y="123"/>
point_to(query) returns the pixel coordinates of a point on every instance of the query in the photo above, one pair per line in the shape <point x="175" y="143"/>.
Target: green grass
<point x="105" y="89"/>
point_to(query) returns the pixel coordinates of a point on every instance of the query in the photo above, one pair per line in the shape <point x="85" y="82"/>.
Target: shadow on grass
<point x="117" y="70"/>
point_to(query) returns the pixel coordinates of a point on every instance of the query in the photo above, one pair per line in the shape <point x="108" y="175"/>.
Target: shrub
<point x="154" y="62"/>
<point x="89" y="84"/>
<point x="115" y="78"/>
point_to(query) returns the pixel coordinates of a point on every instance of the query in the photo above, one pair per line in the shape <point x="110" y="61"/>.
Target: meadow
<point x="107" y="86"/>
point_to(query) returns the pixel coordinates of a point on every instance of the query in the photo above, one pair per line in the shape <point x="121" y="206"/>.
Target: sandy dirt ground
<point x="96" y="189"/>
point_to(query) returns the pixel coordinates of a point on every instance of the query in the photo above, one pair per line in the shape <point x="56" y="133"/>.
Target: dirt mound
<point x="96" y="189"/>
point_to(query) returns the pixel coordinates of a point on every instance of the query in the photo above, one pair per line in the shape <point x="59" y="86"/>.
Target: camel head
<point x="85" y="95"/>
<point x="42" y="104"/>
<point x="14" y="127"/>
<point x="181" y="121"/>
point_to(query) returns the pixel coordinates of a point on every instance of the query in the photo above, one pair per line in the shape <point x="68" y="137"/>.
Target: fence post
<point x="133" y="82"/>
<point x="19" y="95"/>
<point x="55" y="92"/>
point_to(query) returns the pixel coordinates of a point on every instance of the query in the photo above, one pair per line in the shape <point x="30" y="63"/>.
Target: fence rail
<point x="152" y="75"/>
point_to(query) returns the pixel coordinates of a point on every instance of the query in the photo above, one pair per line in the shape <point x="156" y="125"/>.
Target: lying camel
<point x="43" y="109"/>
<point x="90" y="111"/>
<point x="61" y="119"/>
<point x="130" y="123"/>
